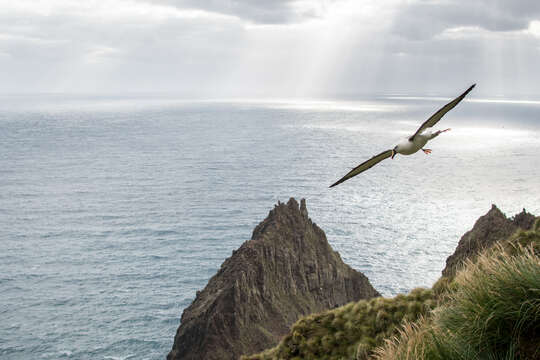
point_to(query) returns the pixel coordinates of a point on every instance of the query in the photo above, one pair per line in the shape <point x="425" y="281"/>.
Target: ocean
<point x="115" y="210"/>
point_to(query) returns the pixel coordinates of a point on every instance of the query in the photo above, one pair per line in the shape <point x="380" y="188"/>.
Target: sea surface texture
<point x="114" y="211"/>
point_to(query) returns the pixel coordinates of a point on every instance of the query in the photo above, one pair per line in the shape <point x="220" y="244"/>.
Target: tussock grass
<point x="351" y="331"/>
<point x="491" y="310"/>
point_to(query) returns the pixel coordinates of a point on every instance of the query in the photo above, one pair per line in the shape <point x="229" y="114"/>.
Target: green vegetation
<point x="350" y="331"/>
<point x="493" y="313"/>
<point x="490" y="310"/>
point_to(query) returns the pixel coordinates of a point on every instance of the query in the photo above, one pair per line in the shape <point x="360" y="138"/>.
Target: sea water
<point x="114" y="211"/>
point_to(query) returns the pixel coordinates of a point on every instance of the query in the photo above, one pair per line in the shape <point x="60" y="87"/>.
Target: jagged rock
<point x="286" y="270"/>
<point x="488" y="229"/>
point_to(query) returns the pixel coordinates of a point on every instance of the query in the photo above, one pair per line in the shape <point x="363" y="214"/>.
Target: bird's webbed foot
<point x="426" y="151"/>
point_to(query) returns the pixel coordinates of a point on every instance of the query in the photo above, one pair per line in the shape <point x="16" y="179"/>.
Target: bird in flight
<point x="411" y="144"/>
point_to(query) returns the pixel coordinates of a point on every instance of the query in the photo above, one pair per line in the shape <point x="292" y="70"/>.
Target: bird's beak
<point x="393" y="153"/>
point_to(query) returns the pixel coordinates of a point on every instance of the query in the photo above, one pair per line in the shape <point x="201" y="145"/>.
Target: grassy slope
<point x="490" y="310"/>
<point x="339" y="333"/>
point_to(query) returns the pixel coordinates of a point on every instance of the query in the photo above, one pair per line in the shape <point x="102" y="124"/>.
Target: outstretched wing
<point x="439" y="114"/>
<point x="364" y="166"/>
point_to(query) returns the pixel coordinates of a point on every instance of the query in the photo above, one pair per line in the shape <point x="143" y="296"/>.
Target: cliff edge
<point x="285" y="271"/>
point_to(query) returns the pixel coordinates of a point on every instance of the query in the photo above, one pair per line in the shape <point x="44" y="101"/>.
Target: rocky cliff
<point x="355" y="330"/>
<point x="286" y="270"/>
<point x="488" y="230"/>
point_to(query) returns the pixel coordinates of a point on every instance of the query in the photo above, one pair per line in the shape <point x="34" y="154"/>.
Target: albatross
<point x="411" y="144"/>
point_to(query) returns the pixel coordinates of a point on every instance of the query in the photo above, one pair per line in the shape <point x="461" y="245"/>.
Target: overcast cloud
<point x="253" y="48"/>
<point x="258" y="11"/>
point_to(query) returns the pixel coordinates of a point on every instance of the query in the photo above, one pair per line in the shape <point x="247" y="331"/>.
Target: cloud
<point x="267" y="48"/>
<point x="113" y="46"/>
<point x="422" y="20"/>
<point x="258" y="11"/>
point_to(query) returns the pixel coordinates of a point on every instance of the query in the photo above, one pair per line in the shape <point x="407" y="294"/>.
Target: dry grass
<point x="492" y="310"/>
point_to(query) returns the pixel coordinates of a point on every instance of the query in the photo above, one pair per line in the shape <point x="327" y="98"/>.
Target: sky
<point x="272" y="49"/>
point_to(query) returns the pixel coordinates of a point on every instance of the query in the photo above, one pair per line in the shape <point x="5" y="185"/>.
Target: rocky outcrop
<point x="488" y="229"/>
<point x="286" y="270"/>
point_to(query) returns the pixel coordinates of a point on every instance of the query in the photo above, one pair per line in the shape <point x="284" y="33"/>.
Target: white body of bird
<point x="408" y="147"/>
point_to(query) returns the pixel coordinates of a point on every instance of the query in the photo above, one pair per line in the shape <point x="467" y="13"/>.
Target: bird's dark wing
<point x="439" y="114"/>
<point x="364" y="166"/>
